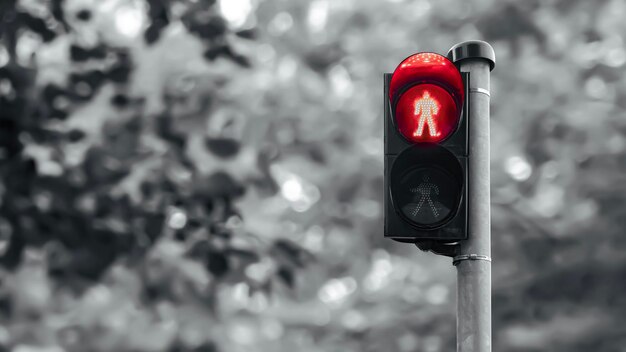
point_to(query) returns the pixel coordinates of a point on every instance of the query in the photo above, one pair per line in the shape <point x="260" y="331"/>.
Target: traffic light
<point x="426" y="151"/>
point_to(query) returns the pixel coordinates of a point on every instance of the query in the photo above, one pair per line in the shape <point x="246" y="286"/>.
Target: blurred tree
<point x="204" y="176"/>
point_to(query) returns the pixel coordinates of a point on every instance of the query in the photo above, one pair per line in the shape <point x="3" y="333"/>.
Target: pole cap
<point x="473" y="49"/>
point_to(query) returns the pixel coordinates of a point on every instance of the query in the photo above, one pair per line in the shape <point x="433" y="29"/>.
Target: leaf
<point x="289" y="252"/>
<point x="220" y="185"/>
<point x="286" y="275"/>
<point x="223" y="147"/>
<point x="217" y="263"/>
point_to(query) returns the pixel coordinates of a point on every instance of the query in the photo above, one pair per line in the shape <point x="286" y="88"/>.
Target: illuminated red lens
<point x="426" y="113"/>
<point x="427" y="68"/>
<point x="427" y="92"/>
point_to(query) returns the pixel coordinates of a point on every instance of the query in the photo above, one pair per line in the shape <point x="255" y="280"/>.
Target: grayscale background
<point x="199" y="175"/>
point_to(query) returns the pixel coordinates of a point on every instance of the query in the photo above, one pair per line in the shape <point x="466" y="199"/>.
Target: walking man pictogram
<point x="424" y="189"/>
<point x="426" y="107"/>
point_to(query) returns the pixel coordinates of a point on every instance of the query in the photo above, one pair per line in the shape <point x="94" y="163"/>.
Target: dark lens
<point x="427" y="196"/>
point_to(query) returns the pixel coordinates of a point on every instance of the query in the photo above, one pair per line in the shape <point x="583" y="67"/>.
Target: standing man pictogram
<point x="424" y="189"/>
<point x="426" y="107"/>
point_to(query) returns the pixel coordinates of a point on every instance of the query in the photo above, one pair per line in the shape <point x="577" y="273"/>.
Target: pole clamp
<point x="462" y="257"/>
<point x="480" y="90"/>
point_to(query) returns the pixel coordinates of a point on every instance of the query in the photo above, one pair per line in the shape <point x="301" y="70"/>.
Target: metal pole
<point x="474" y="262"/>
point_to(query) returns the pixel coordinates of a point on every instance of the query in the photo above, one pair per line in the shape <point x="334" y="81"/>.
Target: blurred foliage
<point x="193" y="175"/>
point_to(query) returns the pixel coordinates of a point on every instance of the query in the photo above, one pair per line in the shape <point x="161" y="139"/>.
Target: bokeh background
<point x="200" y="175"/>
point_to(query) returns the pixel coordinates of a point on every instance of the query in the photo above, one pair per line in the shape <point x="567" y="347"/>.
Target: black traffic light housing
<point x="450" y="160"/>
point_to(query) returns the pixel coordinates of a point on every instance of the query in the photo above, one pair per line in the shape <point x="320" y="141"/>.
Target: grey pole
<point x="474" y="261"/>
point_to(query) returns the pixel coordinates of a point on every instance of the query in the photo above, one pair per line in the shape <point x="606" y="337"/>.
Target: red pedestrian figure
<point x="426" y="108"/>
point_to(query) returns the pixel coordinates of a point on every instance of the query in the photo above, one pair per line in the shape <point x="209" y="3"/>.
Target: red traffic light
<point x="426" y="92"/>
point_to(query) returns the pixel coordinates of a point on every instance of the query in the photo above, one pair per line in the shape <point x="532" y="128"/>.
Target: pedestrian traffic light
<point x="426" y="150"/>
